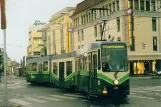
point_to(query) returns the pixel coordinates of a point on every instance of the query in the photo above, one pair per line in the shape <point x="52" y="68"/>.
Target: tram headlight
<point x="116" y="82"/>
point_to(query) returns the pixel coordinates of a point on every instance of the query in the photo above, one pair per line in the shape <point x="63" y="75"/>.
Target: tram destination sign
<point x="118" y="46"/>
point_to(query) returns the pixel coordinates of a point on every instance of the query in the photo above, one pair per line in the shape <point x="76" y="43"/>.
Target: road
<point x="144" y="93"/>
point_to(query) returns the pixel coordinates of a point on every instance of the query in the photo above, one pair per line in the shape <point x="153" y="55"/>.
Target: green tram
<point x="100" y="69"/>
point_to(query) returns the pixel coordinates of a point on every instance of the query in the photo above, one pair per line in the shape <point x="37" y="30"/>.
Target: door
<point x="90" y="80"/>
<point x="94" y="70"/>
<point x="61" y="71"/>
<point x="92" y="57"/>
<point x="40" y="72"/>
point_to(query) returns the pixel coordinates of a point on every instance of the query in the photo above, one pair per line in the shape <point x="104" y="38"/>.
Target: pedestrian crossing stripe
<point x="17" y="101"/>
<point x="49" y="98"/>
<point x="64" y="97"/>
<point x="35" y="100"/>
<point x="74" y="95"/>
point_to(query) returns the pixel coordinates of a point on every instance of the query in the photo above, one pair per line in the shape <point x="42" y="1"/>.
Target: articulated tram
<point x="99" y="69"/>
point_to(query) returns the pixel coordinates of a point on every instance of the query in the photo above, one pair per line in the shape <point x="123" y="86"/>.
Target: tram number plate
<point x="116" y="88"/>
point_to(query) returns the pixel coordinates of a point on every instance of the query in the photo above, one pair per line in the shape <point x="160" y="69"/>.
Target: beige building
<point x="141" y="32"/>
<point x="58" y="35"/>
<point x="35" y="41"/>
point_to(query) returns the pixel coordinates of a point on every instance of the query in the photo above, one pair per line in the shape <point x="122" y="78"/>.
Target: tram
<point x="99" y="69"/>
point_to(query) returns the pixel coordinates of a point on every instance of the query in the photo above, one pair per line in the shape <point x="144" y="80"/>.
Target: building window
<point x="118" y="38"/>
<point x="101" y="30"/>
<point x="141" y="4"/>
<point x="118" y="8"/>
<point x="153" y="5"/>
<point x="136" y="3"/>
<point x="87" y="17"/>
<point x="95" y="30"/>
<point x="103" y="11"/>
<point x="82" y="20"/>
<point x="36" y="53"/>
<point x="110" y="8"/>
<point x="78" y="36"/>
<point x="154" y="43"/>
<point x="82" y="35"/>
<point x="68" y="67"/>
<point x="147" y="5"/>
<point x="100" y="13"/>
<point x="114" y="7"/>
<point x="118" y="24"/>
<point x="154" y="26"/>
<point x="107" y="10"/>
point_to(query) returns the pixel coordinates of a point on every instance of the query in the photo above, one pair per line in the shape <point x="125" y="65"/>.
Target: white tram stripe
<point x="35" y="100"/>
<point x="74" y="95"/>
<point x="49" y="98"/>
<point x="64" y="97"/>
<point x="20" y="102"/>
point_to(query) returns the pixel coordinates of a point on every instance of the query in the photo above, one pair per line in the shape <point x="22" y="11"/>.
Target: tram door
<point x="61" y="71"/>
<point x="40" y="70"/>
<point x="92" y="57"/>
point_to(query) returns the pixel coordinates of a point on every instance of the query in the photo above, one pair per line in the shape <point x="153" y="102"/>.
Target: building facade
<point x="35" y="41"/>
<point x="58" y="37"/>
<point x="141" y="30"/>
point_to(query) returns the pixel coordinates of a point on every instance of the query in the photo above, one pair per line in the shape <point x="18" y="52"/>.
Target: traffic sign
<point x="129" y="11"/>
<point x="70" y="30"/>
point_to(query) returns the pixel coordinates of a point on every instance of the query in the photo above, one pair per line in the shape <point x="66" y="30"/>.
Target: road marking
<point x="141" y="97"/>
<point x="20" y="102"/>
<point x="73" y="95"/>
<point x="65" y="97"/>
<point x="49" y="98"/>
<point x="35" y="100"/>
<point x="84" y="100"/>
<point x="15" y="87"/>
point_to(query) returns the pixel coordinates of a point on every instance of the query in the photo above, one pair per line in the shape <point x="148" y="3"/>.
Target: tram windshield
<point x="114" y="58"/>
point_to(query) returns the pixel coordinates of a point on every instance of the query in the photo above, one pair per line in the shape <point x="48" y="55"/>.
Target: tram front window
<point x="114" y="60"/>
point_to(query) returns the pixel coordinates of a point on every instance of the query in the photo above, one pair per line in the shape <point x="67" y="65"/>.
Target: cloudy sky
<point x="21" y="14"/>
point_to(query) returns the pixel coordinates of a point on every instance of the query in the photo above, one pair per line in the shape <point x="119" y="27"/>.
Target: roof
<point x="38" y="59"/>
<point x="86" y="4"/>
<point x="67" y="9"/>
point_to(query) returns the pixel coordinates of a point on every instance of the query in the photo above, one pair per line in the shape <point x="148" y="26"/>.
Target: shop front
<point x="143" y="65"/>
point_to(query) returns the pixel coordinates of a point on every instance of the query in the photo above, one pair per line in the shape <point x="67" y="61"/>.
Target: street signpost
<point x="3" y="27"/>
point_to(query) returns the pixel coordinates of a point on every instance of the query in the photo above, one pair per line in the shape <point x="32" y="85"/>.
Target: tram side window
<point x="76" y="68"/>
<point x="89" y="62"/>
<point x="34" y="67"/>
<point x="85" y="61"/>
<point x="68" y="67"/>
<point x="27" y="67"/>
<point x="55" y="68"/>
<point x="45" y="66"/>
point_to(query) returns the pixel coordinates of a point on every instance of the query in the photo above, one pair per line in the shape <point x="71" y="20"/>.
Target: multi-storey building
<point x="58" y="35"/>
<point x="35" y="41"/>
<point x="141" y="30"/>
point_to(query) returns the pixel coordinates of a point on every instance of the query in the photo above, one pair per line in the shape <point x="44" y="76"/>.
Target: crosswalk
<point x="28" y="101"/>
<point x="146" y="92"/>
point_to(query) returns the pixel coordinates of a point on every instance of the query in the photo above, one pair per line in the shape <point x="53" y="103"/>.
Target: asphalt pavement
<point x="143" y="93"/>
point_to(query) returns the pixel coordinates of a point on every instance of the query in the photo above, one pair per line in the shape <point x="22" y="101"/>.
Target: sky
<point x="21" y="14"/>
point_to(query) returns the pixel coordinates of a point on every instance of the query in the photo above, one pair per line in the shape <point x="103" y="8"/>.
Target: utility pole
<point x="104" y="21"/>
<point x="132" y="48"/>
<point x="3" y="27"/>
